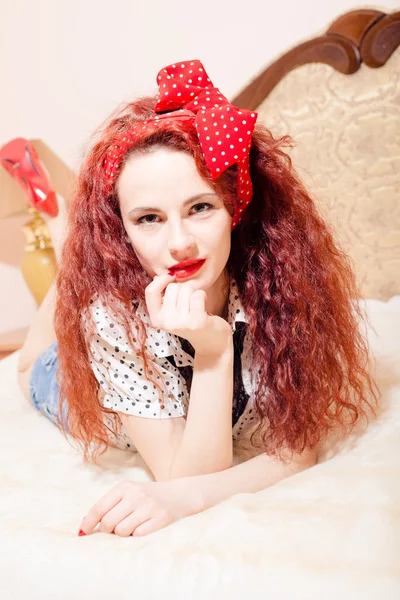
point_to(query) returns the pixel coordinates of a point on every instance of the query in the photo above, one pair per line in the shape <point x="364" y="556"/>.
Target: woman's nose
<point x="180" y="242"/>
<point x="180" y="246"/>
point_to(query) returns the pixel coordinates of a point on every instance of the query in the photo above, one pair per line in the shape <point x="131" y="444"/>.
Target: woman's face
<point x="172" y="215"/>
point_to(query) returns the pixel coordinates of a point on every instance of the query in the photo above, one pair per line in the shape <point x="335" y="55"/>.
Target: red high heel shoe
<point x="21" y="160"/>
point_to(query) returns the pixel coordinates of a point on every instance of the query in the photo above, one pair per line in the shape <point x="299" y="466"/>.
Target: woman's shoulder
<point x="102" y="307"/>
<point x="101" y="322"/>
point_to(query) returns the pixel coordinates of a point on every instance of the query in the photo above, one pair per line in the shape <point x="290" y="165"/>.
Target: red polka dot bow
<point x="224" y="131"/>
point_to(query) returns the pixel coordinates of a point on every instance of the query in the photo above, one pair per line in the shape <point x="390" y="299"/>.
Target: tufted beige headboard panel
<point x="347" y="134"/>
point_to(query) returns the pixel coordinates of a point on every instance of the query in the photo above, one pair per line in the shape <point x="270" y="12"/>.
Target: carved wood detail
<point x="365" y="35"/>
<point x="381" y="40"/>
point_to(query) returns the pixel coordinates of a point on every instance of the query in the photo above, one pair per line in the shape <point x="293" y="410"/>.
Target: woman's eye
<point x="141" y="220"/>
<point x="144" y="220"/>
<point x="202" y="204"/>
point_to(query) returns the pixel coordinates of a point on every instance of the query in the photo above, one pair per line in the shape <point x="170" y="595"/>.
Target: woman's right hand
<point x="181" y="311"/>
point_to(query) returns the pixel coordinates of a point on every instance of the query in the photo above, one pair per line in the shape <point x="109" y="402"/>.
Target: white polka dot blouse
<point x="125" y="389"/>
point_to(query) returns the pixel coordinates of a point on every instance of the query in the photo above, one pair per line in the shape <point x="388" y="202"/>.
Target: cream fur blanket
<point x="330" y="532"/>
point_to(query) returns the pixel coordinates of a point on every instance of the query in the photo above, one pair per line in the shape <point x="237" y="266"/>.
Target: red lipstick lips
<point x="186" y="268"/>
<point x="186" y="263"/>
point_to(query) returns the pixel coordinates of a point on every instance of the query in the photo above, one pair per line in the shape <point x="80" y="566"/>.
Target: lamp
<point x="39" y="265"/>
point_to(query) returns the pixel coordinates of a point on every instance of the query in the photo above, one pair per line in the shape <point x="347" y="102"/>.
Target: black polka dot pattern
<point x="120" y="370"/>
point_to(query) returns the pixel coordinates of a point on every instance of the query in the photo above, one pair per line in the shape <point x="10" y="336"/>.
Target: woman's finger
<point x="152" y="525"/>
<point x="185" y="292"/>
<point x="170" y="299"/>
<point x="136" y="518"/>
<point x="100" y="509"/>
<point x="114" y="516"/>
<point x="198" y="303"/>
<point x="154" y="293"/>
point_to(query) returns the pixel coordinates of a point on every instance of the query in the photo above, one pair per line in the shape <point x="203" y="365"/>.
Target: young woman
<point x="201" y="301"/>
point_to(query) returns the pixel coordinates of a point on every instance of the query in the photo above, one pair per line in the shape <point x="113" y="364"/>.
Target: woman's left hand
<point x="134" y="508"/>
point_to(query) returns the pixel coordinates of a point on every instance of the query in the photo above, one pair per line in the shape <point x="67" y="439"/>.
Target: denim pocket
<point x="49" y="357"/>
<point x="44" y="389"/>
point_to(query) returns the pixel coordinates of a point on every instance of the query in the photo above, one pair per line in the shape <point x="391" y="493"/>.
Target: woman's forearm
<point x="253" y="475"/>
<point x="206" y="445"/>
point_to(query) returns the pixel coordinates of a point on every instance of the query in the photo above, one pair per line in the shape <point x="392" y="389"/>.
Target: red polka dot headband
<point x="224" y="131"/>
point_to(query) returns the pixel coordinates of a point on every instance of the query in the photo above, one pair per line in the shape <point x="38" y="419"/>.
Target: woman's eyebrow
<point x="154" y="209"/>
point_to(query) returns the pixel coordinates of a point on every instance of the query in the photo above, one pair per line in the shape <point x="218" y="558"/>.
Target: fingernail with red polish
<point x="81" y="532"/>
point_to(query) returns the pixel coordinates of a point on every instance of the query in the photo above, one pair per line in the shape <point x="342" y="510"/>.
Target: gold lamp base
<point x="39" y="265"/>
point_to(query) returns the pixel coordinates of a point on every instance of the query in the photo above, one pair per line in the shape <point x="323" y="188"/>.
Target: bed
<point x="331" y="531"/>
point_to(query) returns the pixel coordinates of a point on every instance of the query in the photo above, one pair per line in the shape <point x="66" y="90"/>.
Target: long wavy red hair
<point x="297" y="287"/>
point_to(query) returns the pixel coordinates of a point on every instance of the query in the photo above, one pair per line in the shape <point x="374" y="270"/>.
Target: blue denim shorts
<point x="43" y="385"/>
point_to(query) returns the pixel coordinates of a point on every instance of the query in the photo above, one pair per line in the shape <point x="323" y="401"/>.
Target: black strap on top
<point x="187" y="371"/>
<point x="240" y="396"/>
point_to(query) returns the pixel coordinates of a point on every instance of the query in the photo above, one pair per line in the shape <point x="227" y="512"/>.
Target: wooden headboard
<point x="338" y="96"/>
